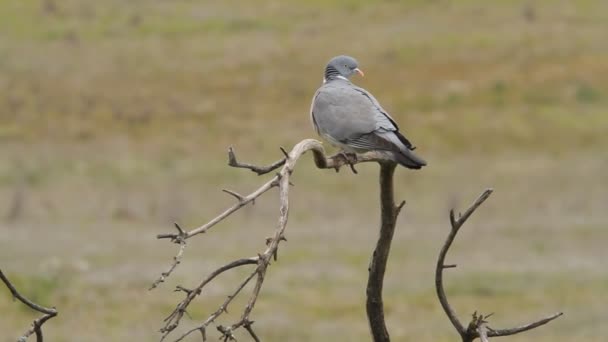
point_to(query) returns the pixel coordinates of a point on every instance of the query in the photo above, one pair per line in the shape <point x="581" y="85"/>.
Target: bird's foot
<point x="350" y="159"/>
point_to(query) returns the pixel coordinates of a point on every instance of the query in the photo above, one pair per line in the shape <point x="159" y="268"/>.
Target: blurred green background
<point x="115" y="118"/>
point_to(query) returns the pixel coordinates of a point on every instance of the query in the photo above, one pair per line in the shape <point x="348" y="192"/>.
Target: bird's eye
<point x="346" y="66"/>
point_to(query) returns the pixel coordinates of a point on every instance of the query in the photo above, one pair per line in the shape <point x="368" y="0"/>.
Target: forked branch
<point x="282" y="181"/>
<point x="478" y="326"/>
<point x="36" y="327"/>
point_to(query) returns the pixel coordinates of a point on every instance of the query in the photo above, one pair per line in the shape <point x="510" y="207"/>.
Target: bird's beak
<point x="360" y="72"/>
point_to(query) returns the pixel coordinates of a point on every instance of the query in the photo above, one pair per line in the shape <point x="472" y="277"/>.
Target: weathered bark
<point x="377" y="266"/>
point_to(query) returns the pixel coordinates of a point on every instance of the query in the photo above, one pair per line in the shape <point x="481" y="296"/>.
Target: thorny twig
<point x="38" y="322"/>
<point x="478" y="326"/>
<point x="179" y="239"/>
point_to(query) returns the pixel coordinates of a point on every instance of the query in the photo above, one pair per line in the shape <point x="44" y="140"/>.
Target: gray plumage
<point x="351" y="118"/>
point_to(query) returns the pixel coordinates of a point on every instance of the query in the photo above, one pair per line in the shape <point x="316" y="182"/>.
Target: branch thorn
<point x="231" y="157"/>
<point x="179" y="229"/>
<point x="285" y="153"/>
<point x="238" y="196"/>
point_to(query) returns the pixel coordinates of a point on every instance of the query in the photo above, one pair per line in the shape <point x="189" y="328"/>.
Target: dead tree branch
<point x="377" y="267"/>
<point x="262" y="260"/>
<point x="36" y="327"/>
<point x="478" y="326"/>
<point x="180" y="239"/>
<point x="260" y="170"/>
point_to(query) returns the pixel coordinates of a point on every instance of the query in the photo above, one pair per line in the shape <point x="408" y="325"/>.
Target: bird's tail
<point x="409" y="159"/>
<point x="402" y="150"/>
<point x="391" y="143"/>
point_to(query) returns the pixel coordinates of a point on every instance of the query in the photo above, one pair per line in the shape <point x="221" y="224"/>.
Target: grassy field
<point x="115" y="118"/>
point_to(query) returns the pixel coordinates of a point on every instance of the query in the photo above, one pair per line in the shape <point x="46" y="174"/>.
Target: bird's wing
<point x="383" y="119"/>
<point x="341" y="112"/>
<point x="348" y="113"/>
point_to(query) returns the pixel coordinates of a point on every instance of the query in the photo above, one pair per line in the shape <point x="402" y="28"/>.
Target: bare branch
<point x="478" y="326"/>
<point x="517" y="330"/>
<point x="222" y="309"/>
<point x="246" y="199"/>
<point x="37" y="323"/>
<point x="282" y="181"/>
<point x="456" y="224"/>
<point x="180" y="238"/>
<point x="260" y="170"/>
<point x="321" y="161"/>
<point x="172" y="321"/>
<point x="177" y="259"/>
<point x="377" y="267"/>
<point x="463" y="218"/>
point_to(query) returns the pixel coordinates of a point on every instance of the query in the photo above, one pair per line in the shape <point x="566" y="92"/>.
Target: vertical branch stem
<point x="377" y="267"/>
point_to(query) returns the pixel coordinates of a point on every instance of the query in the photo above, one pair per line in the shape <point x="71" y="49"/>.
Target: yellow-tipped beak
<point x="360" y="72"/>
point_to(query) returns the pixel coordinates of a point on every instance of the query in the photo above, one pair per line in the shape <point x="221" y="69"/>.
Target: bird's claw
<point x="350" y="159"/>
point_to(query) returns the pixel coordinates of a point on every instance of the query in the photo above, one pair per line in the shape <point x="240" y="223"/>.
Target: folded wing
<point x="352" y="116"/>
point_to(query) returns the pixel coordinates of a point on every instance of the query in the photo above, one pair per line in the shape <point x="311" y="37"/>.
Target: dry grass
<point x="115" y="117"/>
<point x="150" y="73"/>
<point x="535" y="248"/>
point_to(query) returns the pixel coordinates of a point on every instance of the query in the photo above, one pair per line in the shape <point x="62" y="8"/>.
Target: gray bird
<point x="351" y="118"/>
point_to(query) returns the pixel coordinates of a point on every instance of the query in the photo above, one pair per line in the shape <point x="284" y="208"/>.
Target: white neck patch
<point x="339" y="76"/>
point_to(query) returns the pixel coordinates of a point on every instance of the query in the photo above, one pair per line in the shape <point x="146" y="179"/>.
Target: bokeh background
<point x="115" y="117"/>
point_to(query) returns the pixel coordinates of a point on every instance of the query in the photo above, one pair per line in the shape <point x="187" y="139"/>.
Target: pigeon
<point x="351" y="118"/>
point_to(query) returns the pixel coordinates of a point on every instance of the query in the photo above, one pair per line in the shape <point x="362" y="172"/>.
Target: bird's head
<point x="342" y="66"/>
